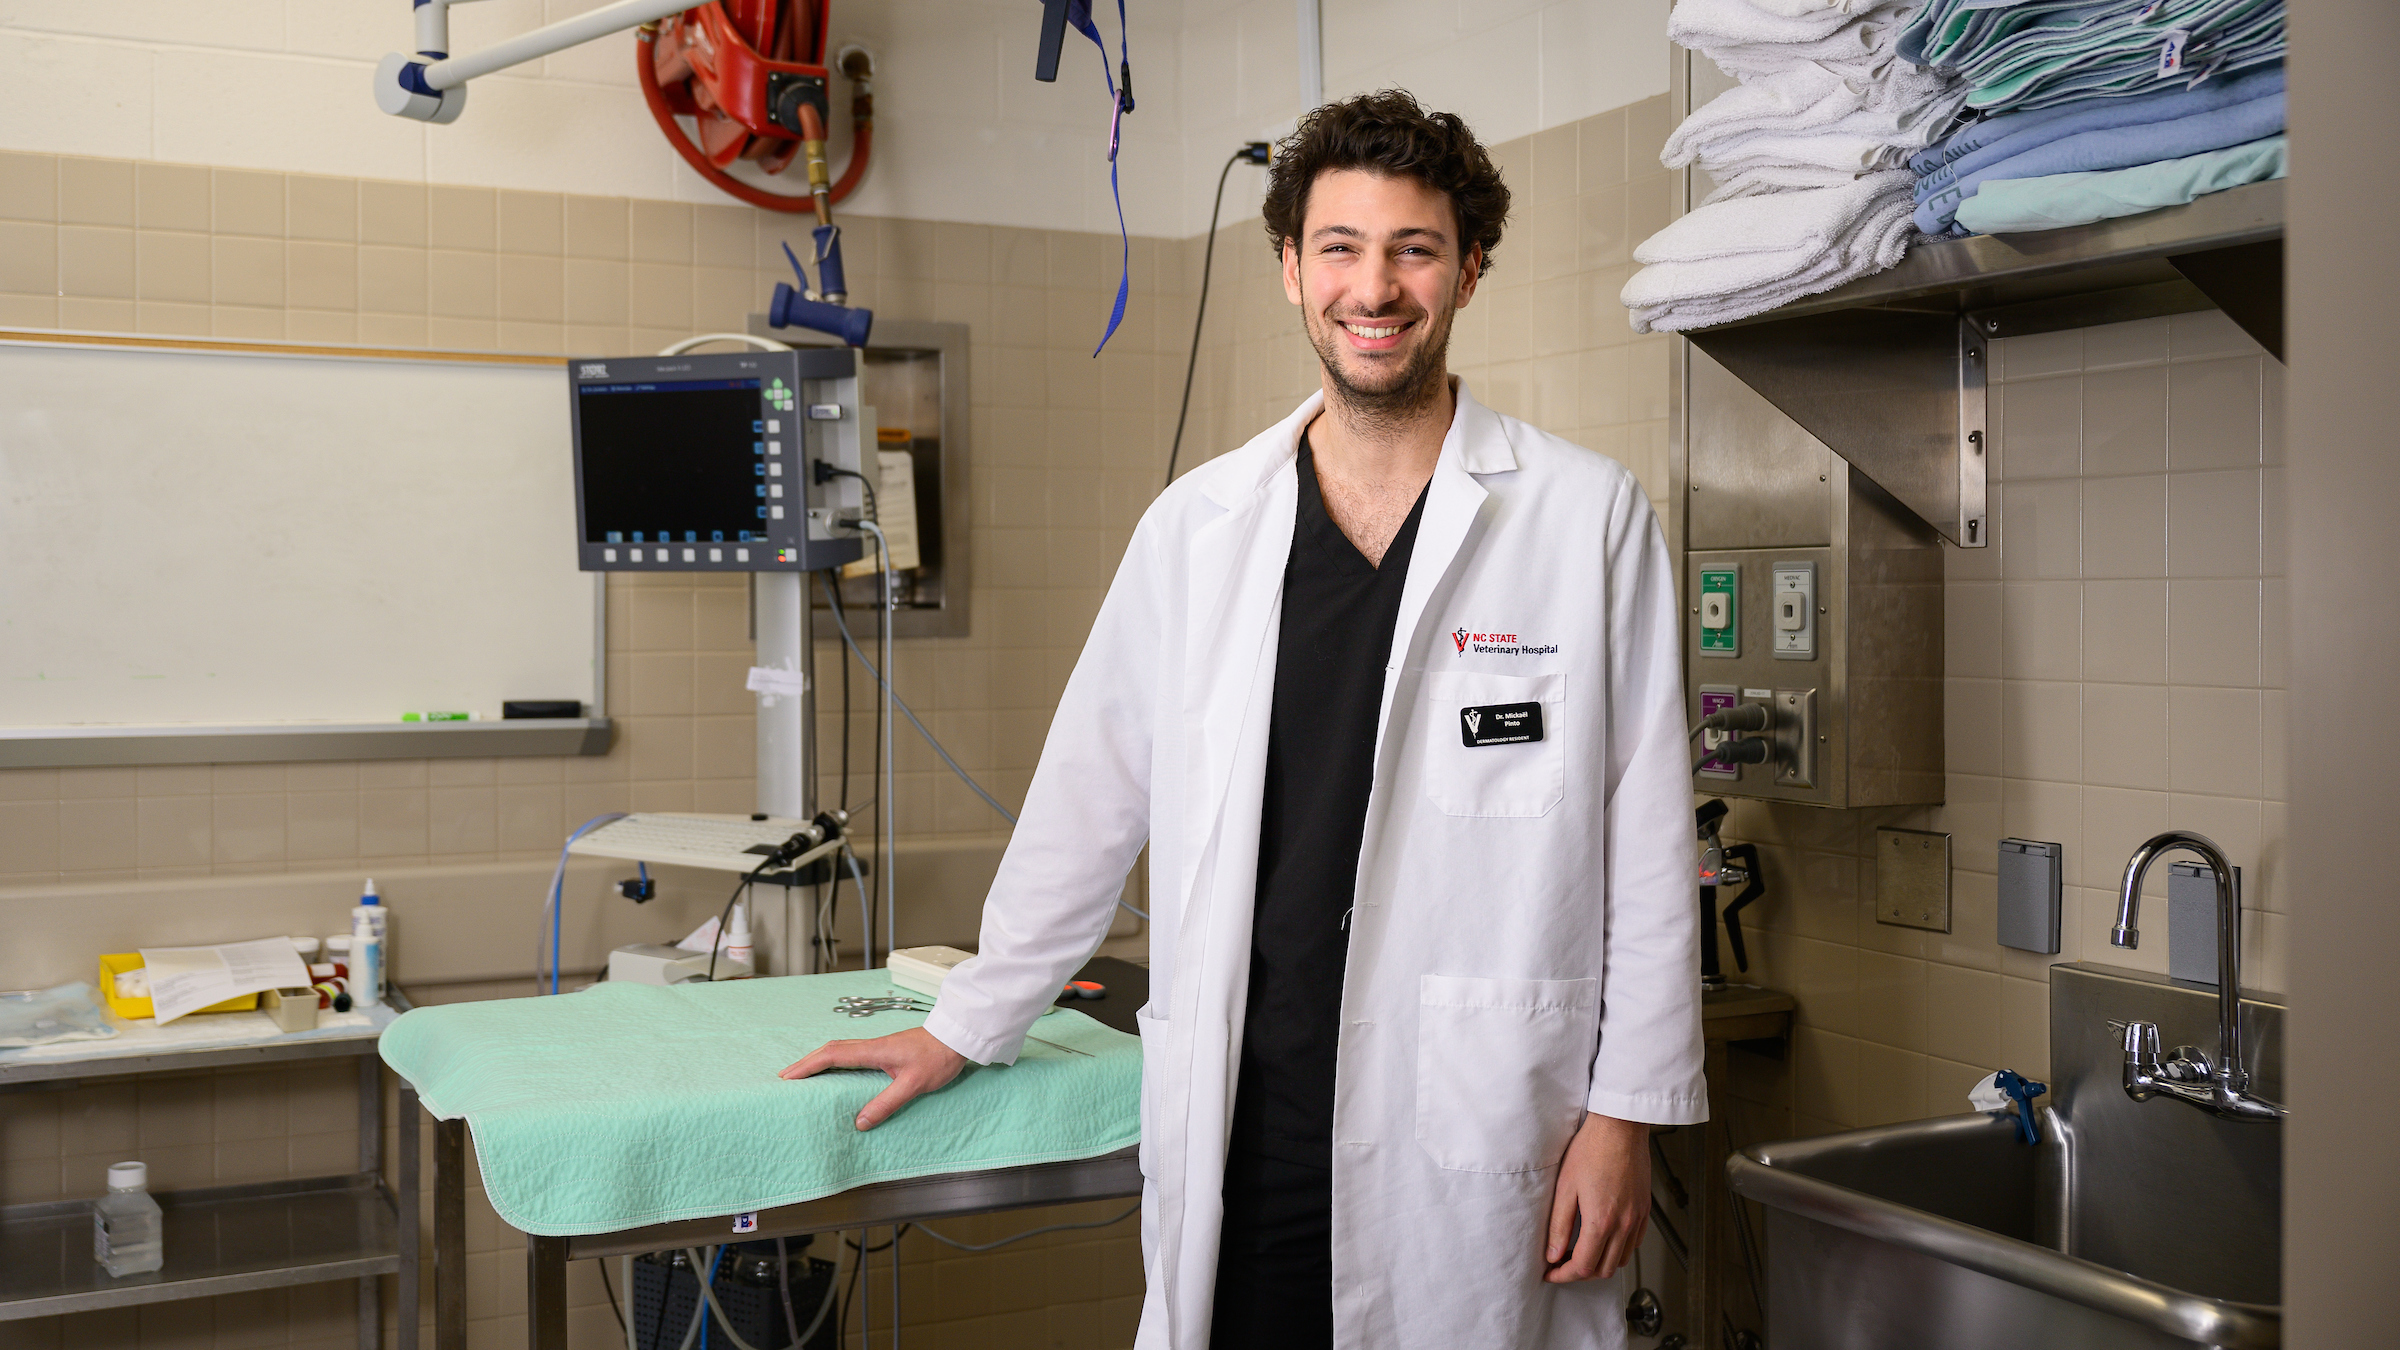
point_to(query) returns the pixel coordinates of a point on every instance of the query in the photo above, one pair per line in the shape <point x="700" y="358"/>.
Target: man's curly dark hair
<point x="1388" y="133"/>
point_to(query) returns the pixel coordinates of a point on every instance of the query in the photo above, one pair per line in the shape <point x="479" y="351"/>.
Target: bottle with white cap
<point x="367" y="960"/>
<point x="126" y="1226"/>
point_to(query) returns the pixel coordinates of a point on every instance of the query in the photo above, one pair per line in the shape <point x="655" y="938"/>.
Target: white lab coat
<point x="1524" y="943"/>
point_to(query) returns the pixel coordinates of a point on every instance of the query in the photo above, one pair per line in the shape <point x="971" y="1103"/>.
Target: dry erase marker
<point x="438" y="717"/>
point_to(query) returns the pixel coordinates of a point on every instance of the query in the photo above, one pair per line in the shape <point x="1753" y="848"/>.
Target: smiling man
<point x="1392" y="694"/>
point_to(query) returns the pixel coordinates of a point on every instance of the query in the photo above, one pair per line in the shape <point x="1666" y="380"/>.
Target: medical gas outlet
<point x="1720" y="611"/>
<point x="1795" y="612"/>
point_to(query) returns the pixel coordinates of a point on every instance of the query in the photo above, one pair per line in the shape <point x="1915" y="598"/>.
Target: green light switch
<point x="1720" y="611"/>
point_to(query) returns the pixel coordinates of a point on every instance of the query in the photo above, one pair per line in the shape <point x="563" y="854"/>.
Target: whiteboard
<point x="219" y="537"/>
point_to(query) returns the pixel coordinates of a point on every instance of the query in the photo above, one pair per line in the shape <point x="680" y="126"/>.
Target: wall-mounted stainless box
<point x="914" y="375"/>
<point x="1774" y="525"/>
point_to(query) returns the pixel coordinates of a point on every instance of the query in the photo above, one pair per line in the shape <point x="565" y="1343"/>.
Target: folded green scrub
<point x="2013" y="205"/>
<point x="631" y="1104"/>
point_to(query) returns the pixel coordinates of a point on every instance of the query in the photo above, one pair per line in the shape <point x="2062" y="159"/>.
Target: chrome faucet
<point x="2188" y="1075"/>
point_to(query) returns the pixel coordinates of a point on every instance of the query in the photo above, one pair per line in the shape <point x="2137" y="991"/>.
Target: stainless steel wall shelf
<point x="2133" y="267"/>
<point x="1889" y="370"/>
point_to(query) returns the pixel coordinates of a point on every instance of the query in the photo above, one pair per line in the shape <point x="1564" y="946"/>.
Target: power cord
<point x="826" y="472"/>
<point x="1734" y="752"/>
<point x="1739" y="717"/>
<point x="910" y="713"/>
<point x="1256" y="152"/>
<point x="1029" y="1233"/>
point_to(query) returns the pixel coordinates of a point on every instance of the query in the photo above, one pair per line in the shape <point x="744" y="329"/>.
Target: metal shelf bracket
<point x="1898" y="393"/>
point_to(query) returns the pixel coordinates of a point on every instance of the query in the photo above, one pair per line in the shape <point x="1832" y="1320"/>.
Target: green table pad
<point x="632" y="1104"/>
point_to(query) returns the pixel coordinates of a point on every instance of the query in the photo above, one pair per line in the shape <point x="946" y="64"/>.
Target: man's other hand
<point x="1601" y="1206"/>
<point x="916" y="1061"/>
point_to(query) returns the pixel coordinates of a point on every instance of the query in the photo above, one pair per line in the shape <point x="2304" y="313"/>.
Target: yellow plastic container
<point x="115" y="963"/>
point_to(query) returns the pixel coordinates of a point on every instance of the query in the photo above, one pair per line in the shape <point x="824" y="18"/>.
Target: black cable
<point x="658" y="1320"/>
<point x="1734" y="752"/>
<point x="611" y="1291"/>
<point x="897" y="1234"/>
<point x="850" y="1295"/>
<point x="882" y="617"/>
<point x="726" y="915"/>
<point x="831" y="579"/>
<point x="1256" y="153"/>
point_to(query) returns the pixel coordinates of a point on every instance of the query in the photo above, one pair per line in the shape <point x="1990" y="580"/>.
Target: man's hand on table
<point x="1601" y="1205"/>
<point x="916" y="1061"/>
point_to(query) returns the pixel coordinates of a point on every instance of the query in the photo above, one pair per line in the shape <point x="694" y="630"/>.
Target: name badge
<point x="1500" y="724"/>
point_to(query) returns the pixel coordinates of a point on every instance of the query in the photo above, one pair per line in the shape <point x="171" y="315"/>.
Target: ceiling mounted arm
<point x="432" y="85"/>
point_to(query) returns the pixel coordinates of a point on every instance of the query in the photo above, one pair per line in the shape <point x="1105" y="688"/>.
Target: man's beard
<point x="1416" y="386"/>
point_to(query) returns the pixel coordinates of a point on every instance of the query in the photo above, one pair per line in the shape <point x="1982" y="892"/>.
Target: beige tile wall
<point x="1544" y="338"/>
<point x="1066" y="453"/>
<point x="2116" y="667"/>
<point x="1064" y="449"/>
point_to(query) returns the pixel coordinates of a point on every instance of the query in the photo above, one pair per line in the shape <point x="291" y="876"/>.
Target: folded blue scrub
<point x="2011" y="206"/>
<point x="631" y="1104"/>
<point x="2113" y="148"/>
<point x="1996" y="138"/>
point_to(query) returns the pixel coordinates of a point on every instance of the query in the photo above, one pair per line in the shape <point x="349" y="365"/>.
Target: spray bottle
<point x="368" y="925"/>
<point x="737" y="942"/>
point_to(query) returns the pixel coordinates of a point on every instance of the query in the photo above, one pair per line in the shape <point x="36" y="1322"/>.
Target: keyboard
<point x="723" y="843"/>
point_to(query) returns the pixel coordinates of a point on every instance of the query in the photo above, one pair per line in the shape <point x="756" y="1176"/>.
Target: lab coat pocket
<point x="1498" y="776"/>
<point x="1503" y="1069"/>
<point x="1155" y="1029"/>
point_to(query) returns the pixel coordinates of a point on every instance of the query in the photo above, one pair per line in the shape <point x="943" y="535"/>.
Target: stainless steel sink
<point x="2132" y="1224"/>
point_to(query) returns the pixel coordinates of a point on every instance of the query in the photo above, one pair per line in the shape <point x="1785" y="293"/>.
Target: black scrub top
<point x="1334" y="643"/>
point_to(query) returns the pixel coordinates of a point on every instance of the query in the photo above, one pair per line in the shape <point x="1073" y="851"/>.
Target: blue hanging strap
<point x="1120" y="102"/>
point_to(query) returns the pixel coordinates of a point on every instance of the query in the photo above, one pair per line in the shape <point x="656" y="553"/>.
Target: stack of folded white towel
<point x="1806" y="154"/>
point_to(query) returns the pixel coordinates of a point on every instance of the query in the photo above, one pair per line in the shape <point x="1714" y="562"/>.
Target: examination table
<point x="637" y="1119"/>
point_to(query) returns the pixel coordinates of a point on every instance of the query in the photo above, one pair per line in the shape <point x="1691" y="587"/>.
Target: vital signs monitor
<point x="707" y="463"/>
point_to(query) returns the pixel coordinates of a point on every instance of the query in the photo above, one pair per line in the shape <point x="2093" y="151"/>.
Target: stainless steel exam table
<point x="1112" y="1176"/>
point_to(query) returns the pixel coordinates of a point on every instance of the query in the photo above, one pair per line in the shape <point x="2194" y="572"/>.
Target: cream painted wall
<point x="1509" y="67"/>
<point x="963" y="132"/>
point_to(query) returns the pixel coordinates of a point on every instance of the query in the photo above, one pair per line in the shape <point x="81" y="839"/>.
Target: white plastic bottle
<point x="126" y="1226"/>
<point x="368" y="926"/>
<point x="737" y="941"/>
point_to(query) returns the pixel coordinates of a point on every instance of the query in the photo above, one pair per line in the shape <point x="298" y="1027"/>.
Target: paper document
<point x="896" y="512"/>
<point x="186" y="979"/>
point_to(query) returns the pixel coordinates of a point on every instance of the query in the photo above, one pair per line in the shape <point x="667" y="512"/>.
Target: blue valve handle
<point x="793" y="309"/>
<point x="2024" y="1090"/>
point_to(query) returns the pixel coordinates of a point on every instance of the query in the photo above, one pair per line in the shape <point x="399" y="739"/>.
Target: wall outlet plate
<point x="1912" y="879"/>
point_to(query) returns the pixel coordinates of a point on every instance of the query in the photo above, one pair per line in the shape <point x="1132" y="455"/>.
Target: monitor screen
<point x="673" y="461"/>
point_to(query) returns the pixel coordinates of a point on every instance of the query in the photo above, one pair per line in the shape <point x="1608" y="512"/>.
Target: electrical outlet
<point x="1912" y="879"/>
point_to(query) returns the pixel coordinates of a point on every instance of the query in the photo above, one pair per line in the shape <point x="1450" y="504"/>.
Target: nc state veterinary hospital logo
<point x="1498" y="644"/>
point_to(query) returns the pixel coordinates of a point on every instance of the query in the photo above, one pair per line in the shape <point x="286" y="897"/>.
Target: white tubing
<point x="760" y="343"/>
<point x="549" y="38"/>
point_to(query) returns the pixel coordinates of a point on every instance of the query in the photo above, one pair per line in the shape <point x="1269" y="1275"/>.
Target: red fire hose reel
<point x="752" y="76"/>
